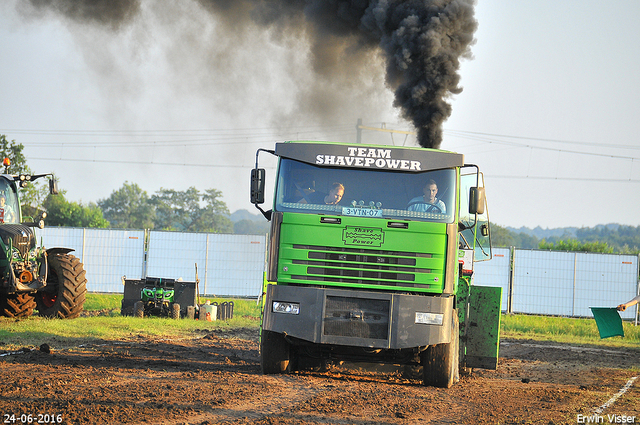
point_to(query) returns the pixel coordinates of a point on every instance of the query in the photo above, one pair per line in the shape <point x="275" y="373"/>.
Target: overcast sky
<point x="550" y="109"/>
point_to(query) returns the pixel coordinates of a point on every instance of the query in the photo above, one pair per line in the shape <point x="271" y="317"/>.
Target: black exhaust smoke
<point x="422" y="40"/>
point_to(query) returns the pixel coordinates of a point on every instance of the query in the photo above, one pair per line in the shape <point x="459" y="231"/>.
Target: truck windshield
<point x="9" y="208"/>
<point x="425" y="196"/>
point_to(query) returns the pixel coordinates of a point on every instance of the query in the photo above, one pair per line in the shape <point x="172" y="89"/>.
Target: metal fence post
<point x="206" y="266"/>
<point x="512" y="260"/>
<point x="145" y="251"/>
<point x="84" y="240"/>
<point x="575" y="272"/>
<point x="638" y="290"/>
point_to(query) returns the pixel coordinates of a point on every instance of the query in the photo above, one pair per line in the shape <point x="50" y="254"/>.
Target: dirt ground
<point x="215" y="379"/>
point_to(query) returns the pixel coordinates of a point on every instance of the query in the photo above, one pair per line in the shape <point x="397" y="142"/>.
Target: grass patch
<point x="565" y="329"/>
<point x="33" y="331"/>
<point x="95" y="302"/>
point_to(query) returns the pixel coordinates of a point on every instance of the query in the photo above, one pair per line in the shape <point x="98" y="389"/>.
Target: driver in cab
<point x="332" y="198"/>
<point x="428" y="202"/>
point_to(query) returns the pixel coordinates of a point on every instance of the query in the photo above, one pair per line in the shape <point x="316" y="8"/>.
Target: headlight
<point x="429" y="318"/>
<point x="290" y="308"/>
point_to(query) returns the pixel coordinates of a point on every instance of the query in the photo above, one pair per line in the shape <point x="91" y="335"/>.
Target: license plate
<point x="361" y="212"/>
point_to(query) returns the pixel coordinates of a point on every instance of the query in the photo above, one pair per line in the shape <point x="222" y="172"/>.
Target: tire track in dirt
<point x="284" y="391"/>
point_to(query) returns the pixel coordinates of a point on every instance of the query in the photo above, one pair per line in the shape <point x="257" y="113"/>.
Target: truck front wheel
<point x="17" y="305"/>
<point x="440" y="361"/>
<point x="68" y="280"/>
<point x="275" y="353"/>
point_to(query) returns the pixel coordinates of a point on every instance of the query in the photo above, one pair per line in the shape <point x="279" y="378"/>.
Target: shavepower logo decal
<point x="368" y="158"/>
<point x="363" y="236"/>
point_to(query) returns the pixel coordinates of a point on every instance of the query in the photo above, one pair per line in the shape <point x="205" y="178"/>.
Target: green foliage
<point x="623" y="239"/>
<point x="33" y="196"/>
<point x="191" y="211"/>
<point x="13" y="151"/>
<point x="128" y="208"/>
<point x="611" y="238"/>
<point x="575" y="245"/>
<point x="250" y="227"/>
<point x="501" y="237"/>
<point x="73" y="214"/>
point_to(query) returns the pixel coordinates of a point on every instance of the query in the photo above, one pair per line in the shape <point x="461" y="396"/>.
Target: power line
<point x="600" y="145"/>
<point x="591" y="179"/>
<point x="475" y="136"/>
<point x="184" y="164"/>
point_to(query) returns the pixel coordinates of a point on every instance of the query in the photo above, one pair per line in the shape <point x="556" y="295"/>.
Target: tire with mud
<point x="440" y="362"/>
<point x="138" y="309"/>
<point x="275" y="353"/>
<point x="126" y="309"/>
<point x="17" y="305"/>
<point x="68" y="282"/>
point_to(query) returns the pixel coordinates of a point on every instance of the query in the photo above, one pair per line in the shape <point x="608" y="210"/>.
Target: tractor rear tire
<point x="68" y="279"/>
<point x="138" y="309"/>
<point x="275" y="353"/>
<point x="17" y="305"/>
<point x="175" y="311"/>
<point x="440" y="362"/>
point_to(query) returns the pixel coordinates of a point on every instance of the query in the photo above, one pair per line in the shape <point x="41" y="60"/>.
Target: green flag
<point x="608" y="320"/>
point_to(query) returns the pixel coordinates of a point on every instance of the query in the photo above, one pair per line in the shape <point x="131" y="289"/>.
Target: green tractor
<point x="32" y="277"/>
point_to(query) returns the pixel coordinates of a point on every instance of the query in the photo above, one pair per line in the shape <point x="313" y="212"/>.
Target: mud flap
<point x="483" y="330"/>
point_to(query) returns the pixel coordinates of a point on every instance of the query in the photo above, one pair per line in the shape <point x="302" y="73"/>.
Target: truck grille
<point x="356" y="317"/>
<point x="360" y="266"/>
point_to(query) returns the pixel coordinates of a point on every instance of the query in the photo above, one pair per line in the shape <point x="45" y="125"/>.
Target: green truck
<point x="370" y="259"/>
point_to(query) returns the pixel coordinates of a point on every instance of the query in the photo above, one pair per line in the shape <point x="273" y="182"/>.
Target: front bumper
<point x="359" y="318"/>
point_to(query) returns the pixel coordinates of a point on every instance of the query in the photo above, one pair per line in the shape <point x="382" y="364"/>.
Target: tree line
<point x="610" y="239"/>
<point x="129" y="207"/>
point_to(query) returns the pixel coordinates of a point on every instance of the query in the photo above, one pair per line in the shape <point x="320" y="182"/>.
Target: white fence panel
<point x="605" y="280"/>
<point x="109" y="255"/>
<point x="228" y="264"/>
<point x="495" y="272"/>
<point x="62" y="237"/>
<point x="174" y="255"/>
<point x="236" y="264"/>
<point x="543" y="282"/>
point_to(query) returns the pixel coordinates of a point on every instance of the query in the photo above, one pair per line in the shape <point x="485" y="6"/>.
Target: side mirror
<point x="258" y="177"/>
<point x="476" y="200"/>
<point x="53" y="186"/>
<point x="484" y="230"/>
